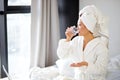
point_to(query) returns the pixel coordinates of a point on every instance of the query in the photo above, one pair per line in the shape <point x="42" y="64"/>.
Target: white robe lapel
<point x="78" y="47"/>
<point x="90" y="46"/>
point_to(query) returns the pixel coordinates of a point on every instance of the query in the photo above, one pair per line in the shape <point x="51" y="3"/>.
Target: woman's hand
<point x="80" y="64"/>
<point x="69" y="34"/>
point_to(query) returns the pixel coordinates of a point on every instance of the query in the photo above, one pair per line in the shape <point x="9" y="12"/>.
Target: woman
<point x="86" y="54"/>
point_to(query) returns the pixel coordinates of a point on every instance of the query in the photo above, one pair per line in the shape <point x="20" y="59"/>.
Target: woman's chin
<point x="80" y="34"/>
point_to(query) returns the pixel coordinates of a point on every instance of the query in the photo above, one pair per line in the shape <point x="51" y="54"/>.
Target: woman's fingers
<point x="84" y="63"/>
<point x="73" y="65"/>
<point x="69" y="34"/>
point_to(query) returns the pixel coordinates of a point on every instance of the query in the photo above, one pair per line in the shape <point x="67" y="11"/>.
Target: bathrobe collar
<point x="91" y="45"/>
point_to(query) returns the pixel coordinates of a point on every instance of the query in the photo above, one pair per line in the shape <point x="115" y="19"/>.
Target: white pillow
<point x="47" y="73"/>
<point x="114" y="63"/>
<point x="114" y="75"/>
<point x="114" y="68"/>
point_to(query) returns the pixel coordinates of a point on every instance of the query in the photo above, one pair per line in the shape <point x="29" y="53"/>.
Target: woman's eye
<point x="80" y="14"/>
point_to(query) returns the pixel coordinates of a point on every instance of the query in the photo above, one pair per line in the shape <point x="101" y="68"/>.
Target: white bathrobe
<point x="95" y="53"/>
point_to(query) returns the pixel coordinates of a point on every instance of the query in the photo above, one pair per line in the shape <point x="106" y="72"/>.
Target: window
<point x="18" y="32"/>
<point x="18" y="36"/>
<point x="19" y="2"/>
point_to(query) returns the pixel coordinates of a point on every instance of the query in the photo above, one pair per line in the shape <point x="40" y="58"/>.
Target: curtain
<point x="44" y="32"/>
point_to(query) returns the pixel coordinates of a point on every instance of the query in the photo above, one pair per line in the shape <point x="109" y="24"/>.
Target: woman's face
<point x="82" y="28"/>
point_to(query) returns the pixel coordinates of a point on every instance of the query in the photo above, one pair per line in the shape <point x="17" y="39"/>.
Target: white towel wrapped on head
<point x="95" y="22"/>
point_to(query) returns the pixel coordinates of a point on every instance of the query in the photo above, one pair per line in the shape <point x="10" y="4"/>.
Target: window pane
<point x="19" y="2"/>
<point x="18" y="32"/>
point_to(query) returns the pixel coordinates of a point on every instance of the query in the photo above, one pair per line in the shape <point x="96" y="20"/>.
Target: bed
<point x="51" y="72"/>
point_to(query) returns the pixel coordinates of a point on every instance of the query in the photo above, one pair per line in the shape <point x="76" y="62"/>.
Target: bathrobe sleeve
<point x="73" y="47"/>
<point x="63" y="48"/>
<point x="99" y="67"/>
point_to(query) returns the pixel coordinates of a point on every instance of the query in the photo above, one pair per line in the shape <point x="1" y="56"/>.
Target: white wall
<point x="111" y="9"/>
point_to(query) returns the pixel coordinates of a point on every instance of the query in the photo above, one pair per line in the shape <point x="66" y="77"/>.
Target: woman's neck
<point x="87" y="38"/>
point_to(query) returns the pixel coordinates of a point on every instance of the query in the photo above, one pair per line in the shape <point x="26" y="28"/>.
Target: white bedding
<point x="114" y="75"/>
<point x="114" y="68"/>
<point x="50" y="73"/>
